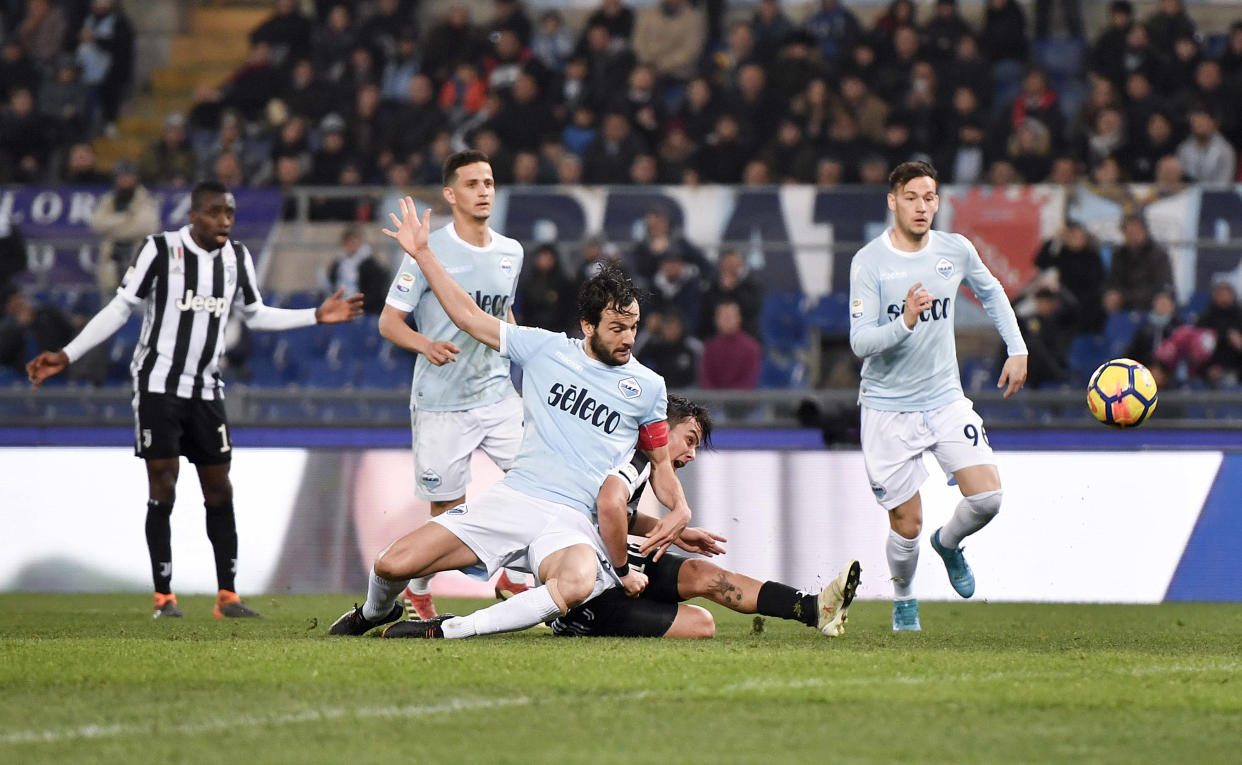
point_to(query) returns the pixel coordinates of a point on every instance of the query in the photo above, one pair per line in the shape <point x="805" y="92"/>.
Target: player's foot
<point x="835" y="599"/>
<point x="507" y="588"/>
<point x="960" y="575"/>
<point x="906" y="616"/>
<point x="229" y="605"/>
<point x="418" y="604"/>
<point x="352" y="622"/>
<point x="166" y="606"/>
<point x="417" y="628"/>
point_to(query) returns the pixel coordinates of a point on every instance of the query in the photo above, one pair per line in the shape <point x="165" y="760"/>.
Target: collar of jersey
<point x="888" y="242"/>
<point x="192" y="245"/>
<point x="452" y="232"/>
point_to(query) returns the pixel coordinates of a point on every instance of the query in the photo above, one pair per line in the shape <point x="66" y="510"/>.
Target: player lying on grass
<point x="586" y="403"/>
<point x="650" y="605"/>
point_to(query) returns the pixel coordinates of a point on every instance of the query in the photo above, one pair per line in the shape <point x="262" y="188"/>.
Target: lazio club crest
<point x="430" y="479"/>
<point x="944" y="267"/>
<point x="506" y="267"/>
<point x="630" y="388"/>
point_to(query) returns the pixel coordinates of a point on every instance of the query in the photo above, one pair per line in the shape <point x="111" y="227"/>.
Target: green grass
<point x="95" y="679"/>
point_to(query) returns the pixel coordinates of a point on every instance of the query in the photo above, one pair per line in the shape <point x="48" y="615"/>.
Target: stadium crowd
<point x="679" y="92"/>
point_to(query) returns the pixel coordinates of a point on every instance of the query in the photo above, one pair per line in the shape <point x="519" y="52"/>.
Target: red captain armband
<point x="653" y="436"/>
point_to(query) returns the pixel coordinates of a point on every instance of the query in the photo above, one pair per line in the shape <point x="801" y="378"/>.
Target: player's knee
<point x="694" y="577"/>
<point x="575" y="584"/>
<point x="218" y="494"/>
<point x="386" y="566"/>
<point x="908" y="526"/>
<point x="699" y="623"/>
<point x="162" y="486"/>
<point x="986" y="503"/>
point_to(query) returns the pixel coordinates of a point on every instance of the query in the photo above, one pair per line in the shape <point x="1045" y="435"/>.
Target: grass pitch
<point x="94" y="679"/>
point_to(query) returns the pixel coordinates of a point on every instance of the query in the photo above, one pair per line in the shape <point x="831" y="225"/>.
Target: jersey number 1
<point x="223" y="430"/>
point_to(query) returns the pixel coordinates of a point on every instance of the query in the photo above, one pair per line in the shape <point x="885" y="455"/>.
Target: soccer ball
<point x="1122" y="393"/>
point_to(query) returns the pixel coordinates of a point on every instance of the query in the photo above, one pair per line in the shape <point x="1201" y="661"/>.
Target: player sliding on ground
<point x="586" y="403"/>
<point x="652" y="606"/>
<point x="903" y="285"/>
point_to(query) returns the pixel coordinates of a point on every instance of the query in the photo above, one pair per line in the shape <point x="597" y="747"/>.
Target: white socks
<point x="381" y="595"/>
<point x="903" y="559"/>
<point x="523" y="610"/>
<point x="972" y="514"/>
<point x="420" y="585"/>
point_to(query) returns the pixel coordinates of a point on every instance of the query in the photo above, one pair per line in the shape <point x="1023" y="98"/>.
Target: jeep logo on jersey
<point x="581" y="404"/>
<point x="506" y="266"/>
<point x="192" y="302"/>
<point x="944" y="267"/>
<point x="430" y="479"/>
<point x="496" y="305"/>
<point x="939" y="310"/>
<point x="630" y="388"/>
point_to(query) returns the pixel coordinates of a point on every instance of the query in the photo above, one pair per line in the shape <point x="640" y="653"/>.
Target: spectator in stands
<point x="616" y="17"/>
<point x="1157" y="141"/>
<point x="677" y="287"/>
<point x="965" y="160"/>
<point x="25" y="142"/>
<point x="893" y="78"/>
<point x="227" y="169"/>
<point x="230" y="140"/>
<point x="1004" y="33"/>
<point x="1107" y="54"/>
<point x="1168" y="23"/>
<point x="1221" y="98"/>
<point x="608" y="66"/>
<point x="333" y="43"/>
<point x="356" y="270"/>
<point x="1030" y="151"/>
<point x="106" y="52"/>
<point x="1048" y="333"/>
<point x="677" y="155"/>
<point x="731" y="358"/>
<point x="753" y="104"/>
<point x="569" y="170"/>
<point x="669" y="37"/>
<point x="733" y="282"/>
<point x="660" y="242"/>
<point x="868" y="110"/>
<point x="26" y="328"/>
<point x="463" y="95"/>
<point x="1072" y="260"/>
<point x="1139" y="56"/>
<point x="898" y="15"/>
<point x="42" y="32"/>
<point x="545" y="293"/>
<point x="256" y="83"/>
<point x="1224" y="317"/>
<point x="969" y="69"/>
<point x="526" y="118"/>
<point x="401" y="68"/>
<point x="287" y="32"/>
<point x="1169" y="176"/>
<point x="12" y="255"/>
<point x="1102" y="94"/>
<point x="594" y="253"/>
<point x="1108" y="139"/>
<point x="510" y="16"/>
<point x="330" y="159"/>
<point x="1071" y="11"/>
<point x="1036" y="100"/>
<point x="453" y="41"/>
<point x="1231" y="59"/>
<point x="669" y="352"/>
<point x="790" y="159"/>
<point x="80" y="169"/>
<point x="1141" y="102"/>
<point x="63" y="101"/>
<point x="386" y="29"/>
<point x="16" y="69"/>
<point x="836" y="30"/>
<point x="699" y="110"/>
<point x="418" y="119"/>
<point x="812" y="109"/>
<point x="1159" y="322"/>
<point x="1205" y="154"/>
<point x="722" y="67"/>
<point x="1181" y="66"/>
<point x="123" y="218"/>
<point x="1000" y="173"/>
<point x="770" y="26"/>
<point x="552" y="43"/>
<point x="169" y="157"/>
<point x="1066" y="171"/>
<point x="1140" y="269"/>
<point x="645" y="170"/>
<point x="293" y="140"/>
<point x="608" y="158"/>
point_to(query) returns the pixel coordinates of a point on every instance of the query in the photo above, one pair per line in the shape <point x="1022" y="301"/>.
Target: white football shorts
<point x="444" y="442"/>
<point x="893" y="444"/>
<point x="508" y="529"/>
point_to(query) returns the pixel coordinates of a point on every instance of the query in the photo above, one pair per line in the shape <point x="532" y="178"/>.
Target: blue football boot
<point x="960" y="575"/>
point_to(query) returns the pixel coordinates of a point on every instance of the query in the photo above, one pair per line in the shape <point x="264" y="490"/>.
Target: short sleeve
<point x="520" y="344"/>
<point x="407" y="286"/>
<point x="140" y="277"/>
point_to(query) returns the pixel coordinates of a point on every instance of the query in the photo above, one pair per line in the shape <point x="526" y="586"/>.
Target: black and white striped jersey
<point x="635" y="473"/>
<point x="188" y="293"/>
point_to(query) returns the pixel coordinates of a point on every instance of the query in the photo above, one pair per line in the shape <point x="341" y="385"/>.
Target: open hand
<point x="336" y="309"/>
<point x="701" y="541"/>
<point x="665" y="533"/>
<point x="410" y="233"/>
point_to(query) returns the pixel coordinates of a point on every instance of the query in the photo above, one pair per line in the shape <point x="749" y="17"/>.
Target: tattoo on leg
<point x="728" y="592"/>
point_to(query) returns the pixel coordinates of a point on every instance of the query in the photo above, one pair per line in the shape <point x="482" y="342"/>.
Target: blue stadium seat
<point x="831" y="314"/>
<point x="978" y="374"/>
<point x="1086" y="353"/>
<point x="1194" y="308"/>
<point x="321" y="373"/>
<point x="781" y="321"/>
<point x="1119" y="332"/>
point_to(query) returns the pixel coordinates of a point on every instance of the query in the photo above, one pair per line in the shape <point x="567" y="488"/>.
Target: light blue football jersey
<point x="489" y="274"/>
<point x="582" y="416"/>
<point x="916" y="370"/>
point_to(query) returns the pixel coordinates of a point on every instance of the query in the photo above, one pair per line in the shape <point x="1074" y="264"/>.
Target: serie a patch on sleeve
<point x="856" y="309"/>
<point x="405" y="282"/>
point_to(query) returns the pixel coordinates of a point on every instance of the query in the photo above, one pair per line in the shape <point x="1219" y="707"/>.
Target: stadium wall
<point x="1098" y="526"/>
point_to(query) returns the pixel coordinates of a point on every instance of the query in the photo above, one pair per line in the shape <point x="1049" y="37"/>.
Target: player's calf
<point x="692" y="622"/>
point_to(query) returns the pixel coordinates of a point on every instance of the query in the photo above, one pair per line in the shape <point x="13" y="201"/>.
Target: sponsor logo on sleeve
<point x="856" y="309"/>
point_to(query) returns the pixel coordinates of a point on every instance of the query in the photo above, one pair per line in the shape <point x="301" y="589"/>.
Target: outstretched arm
<point x="668" y="490"/>
<point x="104" y="324"/>
<point x="411" y="234"/>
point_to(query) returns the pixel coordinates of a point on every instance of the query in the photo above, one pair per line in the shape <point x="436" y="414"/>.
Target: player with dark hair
<point x="902" y="287"/>
<point x="654" y="606"/>
<point x="586" y="404"/>
<point x="189" y="281"/>
<point x="462" y="397"/>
